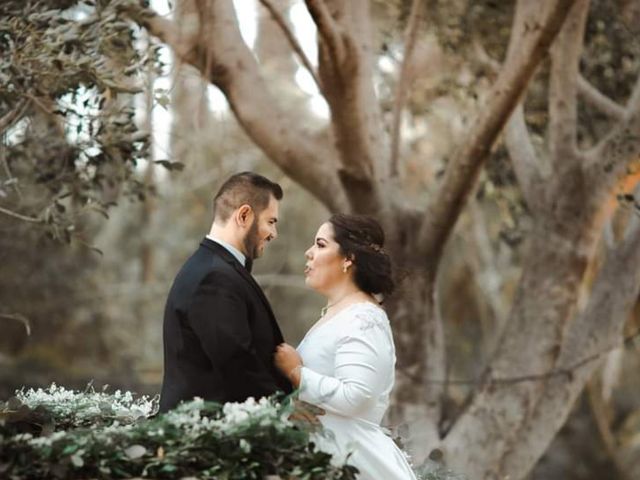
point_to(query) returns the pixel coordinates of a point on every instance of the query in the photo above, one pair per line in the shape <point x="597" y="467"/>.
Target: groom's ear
<point x="244" y="215"/>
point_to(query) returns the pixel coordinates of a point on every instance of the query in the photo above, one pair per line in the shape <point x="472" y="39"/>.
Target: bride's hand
<point x="288" y="361"/>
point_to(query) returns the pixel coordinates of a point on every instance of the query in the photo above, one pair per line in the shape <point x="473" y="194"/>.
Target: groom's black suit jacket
<point x="219" y="333"/>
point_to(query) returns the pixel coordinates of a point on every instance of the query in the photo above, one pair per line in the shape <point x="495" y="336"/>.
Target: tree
<point x="552" y="339"/>
<point x="506" y="425"/>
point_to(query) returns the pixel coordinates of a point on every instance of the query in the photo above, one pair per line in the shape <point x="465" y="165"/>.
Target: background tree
<point x="544" y="276"/>
<point x="545" y="331"/>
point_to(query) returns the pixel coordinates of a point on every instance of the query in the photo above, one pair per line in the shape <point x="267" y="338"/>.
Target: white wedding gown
<point x="349" y="371"/>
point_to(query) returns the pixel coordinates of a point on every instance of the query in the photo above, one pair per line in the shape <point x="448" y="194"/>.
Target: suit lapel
<point x="229" y="258"/>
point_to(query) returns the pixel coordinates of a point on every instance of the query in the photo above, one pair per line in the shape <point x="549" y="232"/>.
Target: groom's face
<point x="262" y="230"/>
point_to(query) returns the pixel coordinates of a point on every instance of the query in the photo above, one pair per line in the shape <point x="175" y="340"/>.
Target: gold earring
<point x="344" y="268"/>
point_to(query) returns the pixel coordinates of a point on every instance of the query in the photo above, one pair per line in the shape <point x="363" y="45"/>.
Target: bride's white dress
<point x="349" y="371"/>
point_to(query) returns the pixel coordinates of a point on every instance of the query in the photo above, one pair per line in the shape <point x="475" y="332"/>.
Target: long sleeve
<point x="362" y="369"/>
<point x="219" y="317"/>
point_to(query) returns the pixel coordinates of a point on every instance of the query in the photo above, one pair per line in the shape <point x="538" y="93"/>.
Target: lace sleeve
<point x="362" y="367"/>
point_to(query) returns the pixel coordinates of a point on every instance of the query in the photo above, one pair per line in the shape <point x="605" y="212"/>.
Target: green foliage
<point x="105" y="437"/>
<point x="68" y="409"/>
<point x="67" y="78"/>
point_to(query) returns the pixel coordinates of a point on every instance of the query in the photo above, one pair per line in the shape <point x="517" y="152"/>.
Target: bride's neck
<point x="342" y="293"/>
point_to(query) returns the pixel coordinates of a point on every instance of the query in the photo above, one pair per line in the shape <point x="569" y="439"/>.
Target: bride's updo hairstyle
<point x="361" y="239"/>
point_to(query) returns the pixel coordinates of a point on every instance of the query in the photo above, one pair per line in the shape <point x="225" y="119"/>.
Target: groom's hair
<point x="244" y="188"/>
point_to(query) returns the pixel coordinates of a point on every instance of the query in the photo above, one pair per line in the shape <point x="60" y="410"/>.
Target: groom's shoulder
<point x="207" y="263"/>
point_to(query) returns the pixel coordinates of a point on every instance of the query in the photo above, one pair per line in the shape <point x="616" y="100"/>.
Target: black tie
<point x="248" y="263"/>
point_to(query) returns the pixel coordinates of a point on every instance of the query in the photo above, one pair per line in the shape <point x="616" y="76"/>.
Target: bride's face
<point x="324" y="261"/>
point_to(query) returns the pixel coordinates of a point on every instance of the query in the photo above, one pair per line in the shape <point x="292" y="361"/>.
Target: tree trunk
<point x="417" y="328"/>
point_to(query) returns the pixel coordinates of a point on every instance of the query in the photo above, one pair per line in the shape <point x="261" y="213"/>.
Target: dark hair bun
<point x="361" y="238"/>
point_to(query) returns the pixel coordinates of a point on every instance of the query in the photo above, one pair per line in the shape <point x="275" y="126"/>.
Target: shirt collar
<point x="232" y="250"/>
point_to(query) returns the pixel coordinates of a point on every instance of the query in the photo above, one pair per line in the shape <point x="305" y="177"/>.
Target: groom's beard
<point x="251" y="241"/>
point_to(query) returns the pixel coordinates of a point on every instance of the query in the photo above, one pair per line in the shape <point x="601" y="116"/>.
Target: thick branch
<point x="346" y="57"/>
<point x="222" y="56"/>
<point x="517" y="437"/>
<point x="599" y="100"/>
<point x="462" y="171"/>
<point x="609" y="159"/>
<point x="589" y="334"/>
<point x="327" y="27"/>
<point x="282" y="23"/>
<point x="567" y="371"/>
<point x="523" y="157"/>
<point x="415" y="17"/>
<point x="563" y="88"/>
<point x="598" y="406"/>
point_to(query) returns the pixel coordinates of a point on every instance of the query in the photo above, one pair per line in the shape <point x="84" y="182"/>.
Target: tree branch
<point x="327" y="27"/>
<point x="523" y="158"/>
<point x="599" y="100"/>
<point x="608" y="160"/>
<point x="221" y="55"/>
<point x="20" y="318"/>
<point x="416" y="15"/>
<point x="281" y="22"/>
<point x="588" y="333"/>
<point x="563" y="88"/>
<point x="565" y="372"/>
<point x="10" y="117"/>
<point x="19" y="216"/>
<point x="346" y="71"/>
<point x="462" y="171"/>
<point x="7" y="170"/>
<point x="599" y="410"/>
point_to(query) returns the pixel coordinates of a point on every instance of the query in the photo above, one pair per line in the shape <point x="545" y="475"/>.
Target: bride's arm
<point x="363" y="363"/>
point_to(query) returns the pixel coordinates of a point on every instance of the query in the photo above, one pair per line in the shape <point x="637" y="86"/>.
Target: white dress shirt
<point x="232" y="250"/>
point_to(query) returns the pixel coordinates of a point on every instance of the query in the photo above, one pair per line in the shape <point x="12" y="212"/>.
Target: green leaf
<point x="69" y="449"/>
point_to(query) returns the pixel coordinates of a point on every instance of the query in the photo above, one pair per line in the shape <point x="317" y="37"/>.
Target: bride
<point x="345" y="363"/>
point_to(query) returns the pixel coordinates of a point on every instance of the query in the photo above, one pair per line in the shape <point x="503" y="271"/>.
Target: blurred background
<point x="89" y="307"/>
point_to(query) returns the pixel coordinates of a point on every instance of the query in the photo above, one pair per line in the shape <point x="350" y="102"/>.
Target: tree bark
<point x="462" y="171"/>
<point x="221" y="55"/>
<point x="346" y="72"/>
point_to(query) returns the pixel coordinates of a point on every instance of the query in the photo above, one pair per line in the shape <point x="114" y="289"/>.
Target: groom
<point x="219" y="331"/>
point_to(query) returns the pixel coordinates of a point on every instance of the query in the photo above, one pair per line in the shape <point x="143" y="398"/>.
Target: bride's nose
<point x="307" y="254"/>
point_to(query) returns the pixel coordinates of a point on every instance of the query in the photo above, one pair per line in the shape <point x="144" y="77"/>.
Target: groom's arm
<point x="219" y="316"/>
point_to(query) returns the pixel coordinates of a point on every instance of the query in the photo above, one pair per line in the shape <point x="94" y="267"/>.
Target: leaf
<point x="69" y="449"/>
<point x="162" y="99"/>
<point x="170" y="165"/>
<point x="135" y="451"/>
